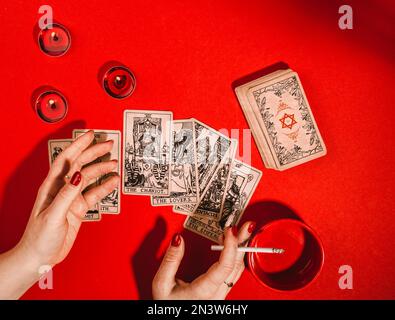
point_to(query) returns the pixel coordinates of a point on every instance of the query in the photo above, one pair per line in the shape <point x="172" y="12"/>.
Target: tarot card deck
<point x="281" y="120"/>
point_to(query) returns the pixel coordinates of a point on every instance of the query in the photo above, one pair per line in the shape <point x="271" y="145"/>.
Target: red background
<point x="186" y="55"/>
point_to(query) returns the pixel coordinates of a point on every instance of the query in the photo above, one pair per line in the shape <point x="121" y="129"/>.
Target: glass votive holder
<point x="51" y="106"/>
<point x="119" y="82"/>
<point x="54" y="40"/>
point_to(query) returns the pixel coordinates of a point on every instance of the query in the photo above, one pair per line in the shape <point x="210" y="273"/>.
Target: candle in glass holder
<point x="51" y="106"/>
<point x="54" y="40"/>
<point x="119" y="82"/>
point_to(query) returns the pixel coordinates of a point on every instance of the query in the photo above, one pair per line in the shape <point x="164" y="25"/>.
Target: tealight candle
<point x="51" y="106"/>
<point x="119" y="82"/>
<point x="54" y="40"/>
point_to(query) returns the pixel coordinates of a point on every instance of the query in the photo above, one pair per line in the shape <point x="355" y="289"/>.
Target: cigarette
<point x="251" y="249"/>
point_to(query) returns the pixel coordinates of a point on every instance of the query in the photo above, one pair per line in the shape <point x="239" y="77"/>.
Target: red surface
<point x="186" y="55"/>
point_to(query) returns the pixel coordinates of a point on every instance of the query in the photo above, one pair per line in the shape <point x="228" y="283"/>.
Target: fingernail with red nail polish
<point x="176" y="241"/>
<point x="251" y="227"/>
<point x="76" y="178"/>
<point x="234" y="231"/>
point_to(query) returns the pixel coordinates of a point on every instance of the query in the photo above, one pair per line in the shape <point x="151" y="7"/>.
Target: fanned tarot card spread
<point x="281" y="120"/>
<point x="183" y="175"/>
<point x="211" y="202"/>
<point x="147" y="150"/>
<point x="211" y="150"/>
<point x="56" y="147"/>
<point x="111" y="203"/>
<point x="239" y="190"/>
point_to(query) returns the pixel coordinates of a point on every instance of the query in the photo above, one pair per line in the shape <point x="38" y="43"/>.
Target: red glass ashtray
<point x="51" y="106"/>
<point x="55" y="40"/>
<point x="298" y="266"/>
<point x="119" y="82"/>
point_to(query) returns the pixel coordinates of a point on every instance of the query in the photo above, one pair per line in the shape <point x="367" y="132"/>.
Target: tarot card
<point x="92" y="215"/>
<point x="205" y="227"/>
<point x="147" y="150"/>
<point x="286" y="120"/>
<point x="183" y="186"/>
<point x="179" y="209"/>
<point x="211" y="202"/>
<point x="241" y="186"/>
<point x="57" y="146"/>
<point x="243" y="181"/>
<point x="211" y="149"/>
<point x="111" y="203"/>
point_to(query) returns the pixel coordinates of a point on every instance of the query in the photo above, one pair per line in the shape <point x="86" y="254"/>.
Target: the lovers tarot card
<point x="211" y="150"/>
<point x="110" y="203"/>
<point x="286" y="120"/>
<point x="147" y="147"/>
<point x="241" y="186"/>
<point x="183" y="186"/>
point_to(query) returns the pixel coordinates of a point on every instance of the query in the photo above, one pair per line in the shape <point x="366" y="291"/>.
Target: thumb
<point x="165" y="278"/>
<point x="65" y="197"/>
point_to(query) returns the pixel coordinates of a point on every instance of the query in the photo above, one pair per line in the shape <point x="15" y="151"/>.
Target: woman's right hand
<point x="216" y="283"/>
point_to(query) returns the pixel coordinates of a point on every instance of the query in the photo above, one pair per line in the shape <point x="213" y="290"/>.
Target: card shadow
<point x="21" y="188"/>
<point x="264" y="212"/>
<point x="280" y="65"/>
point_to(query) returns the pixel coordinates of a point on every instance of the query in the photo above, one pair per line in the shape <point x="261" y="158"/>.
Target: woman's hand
<point x="216" y="283"/>
<point x="57" y="213"/>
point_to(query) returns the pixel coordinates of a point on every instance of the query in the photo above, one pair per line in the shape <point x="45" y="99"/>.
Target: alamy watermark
<point x="46" y="20"/>
<point x="346" y="278"/>
<point x="46" y="277"/>
<point x="346" y="20"/>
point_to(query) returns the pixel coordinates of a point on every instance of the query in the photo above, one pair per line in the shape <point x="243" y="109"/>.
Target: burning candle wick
<point x="52" y="104"/>
<point x="54" y="36"/>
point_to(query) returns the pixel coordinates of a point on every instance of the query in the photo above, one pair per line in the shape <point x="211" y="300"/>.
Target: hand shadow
<point x="21" y="188"/>
<point x="145" y="262"/>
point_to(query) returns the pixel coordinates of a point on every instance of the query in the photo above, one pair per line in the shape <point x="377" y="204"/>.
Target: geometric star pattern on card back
<point x="284" y="123"/>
